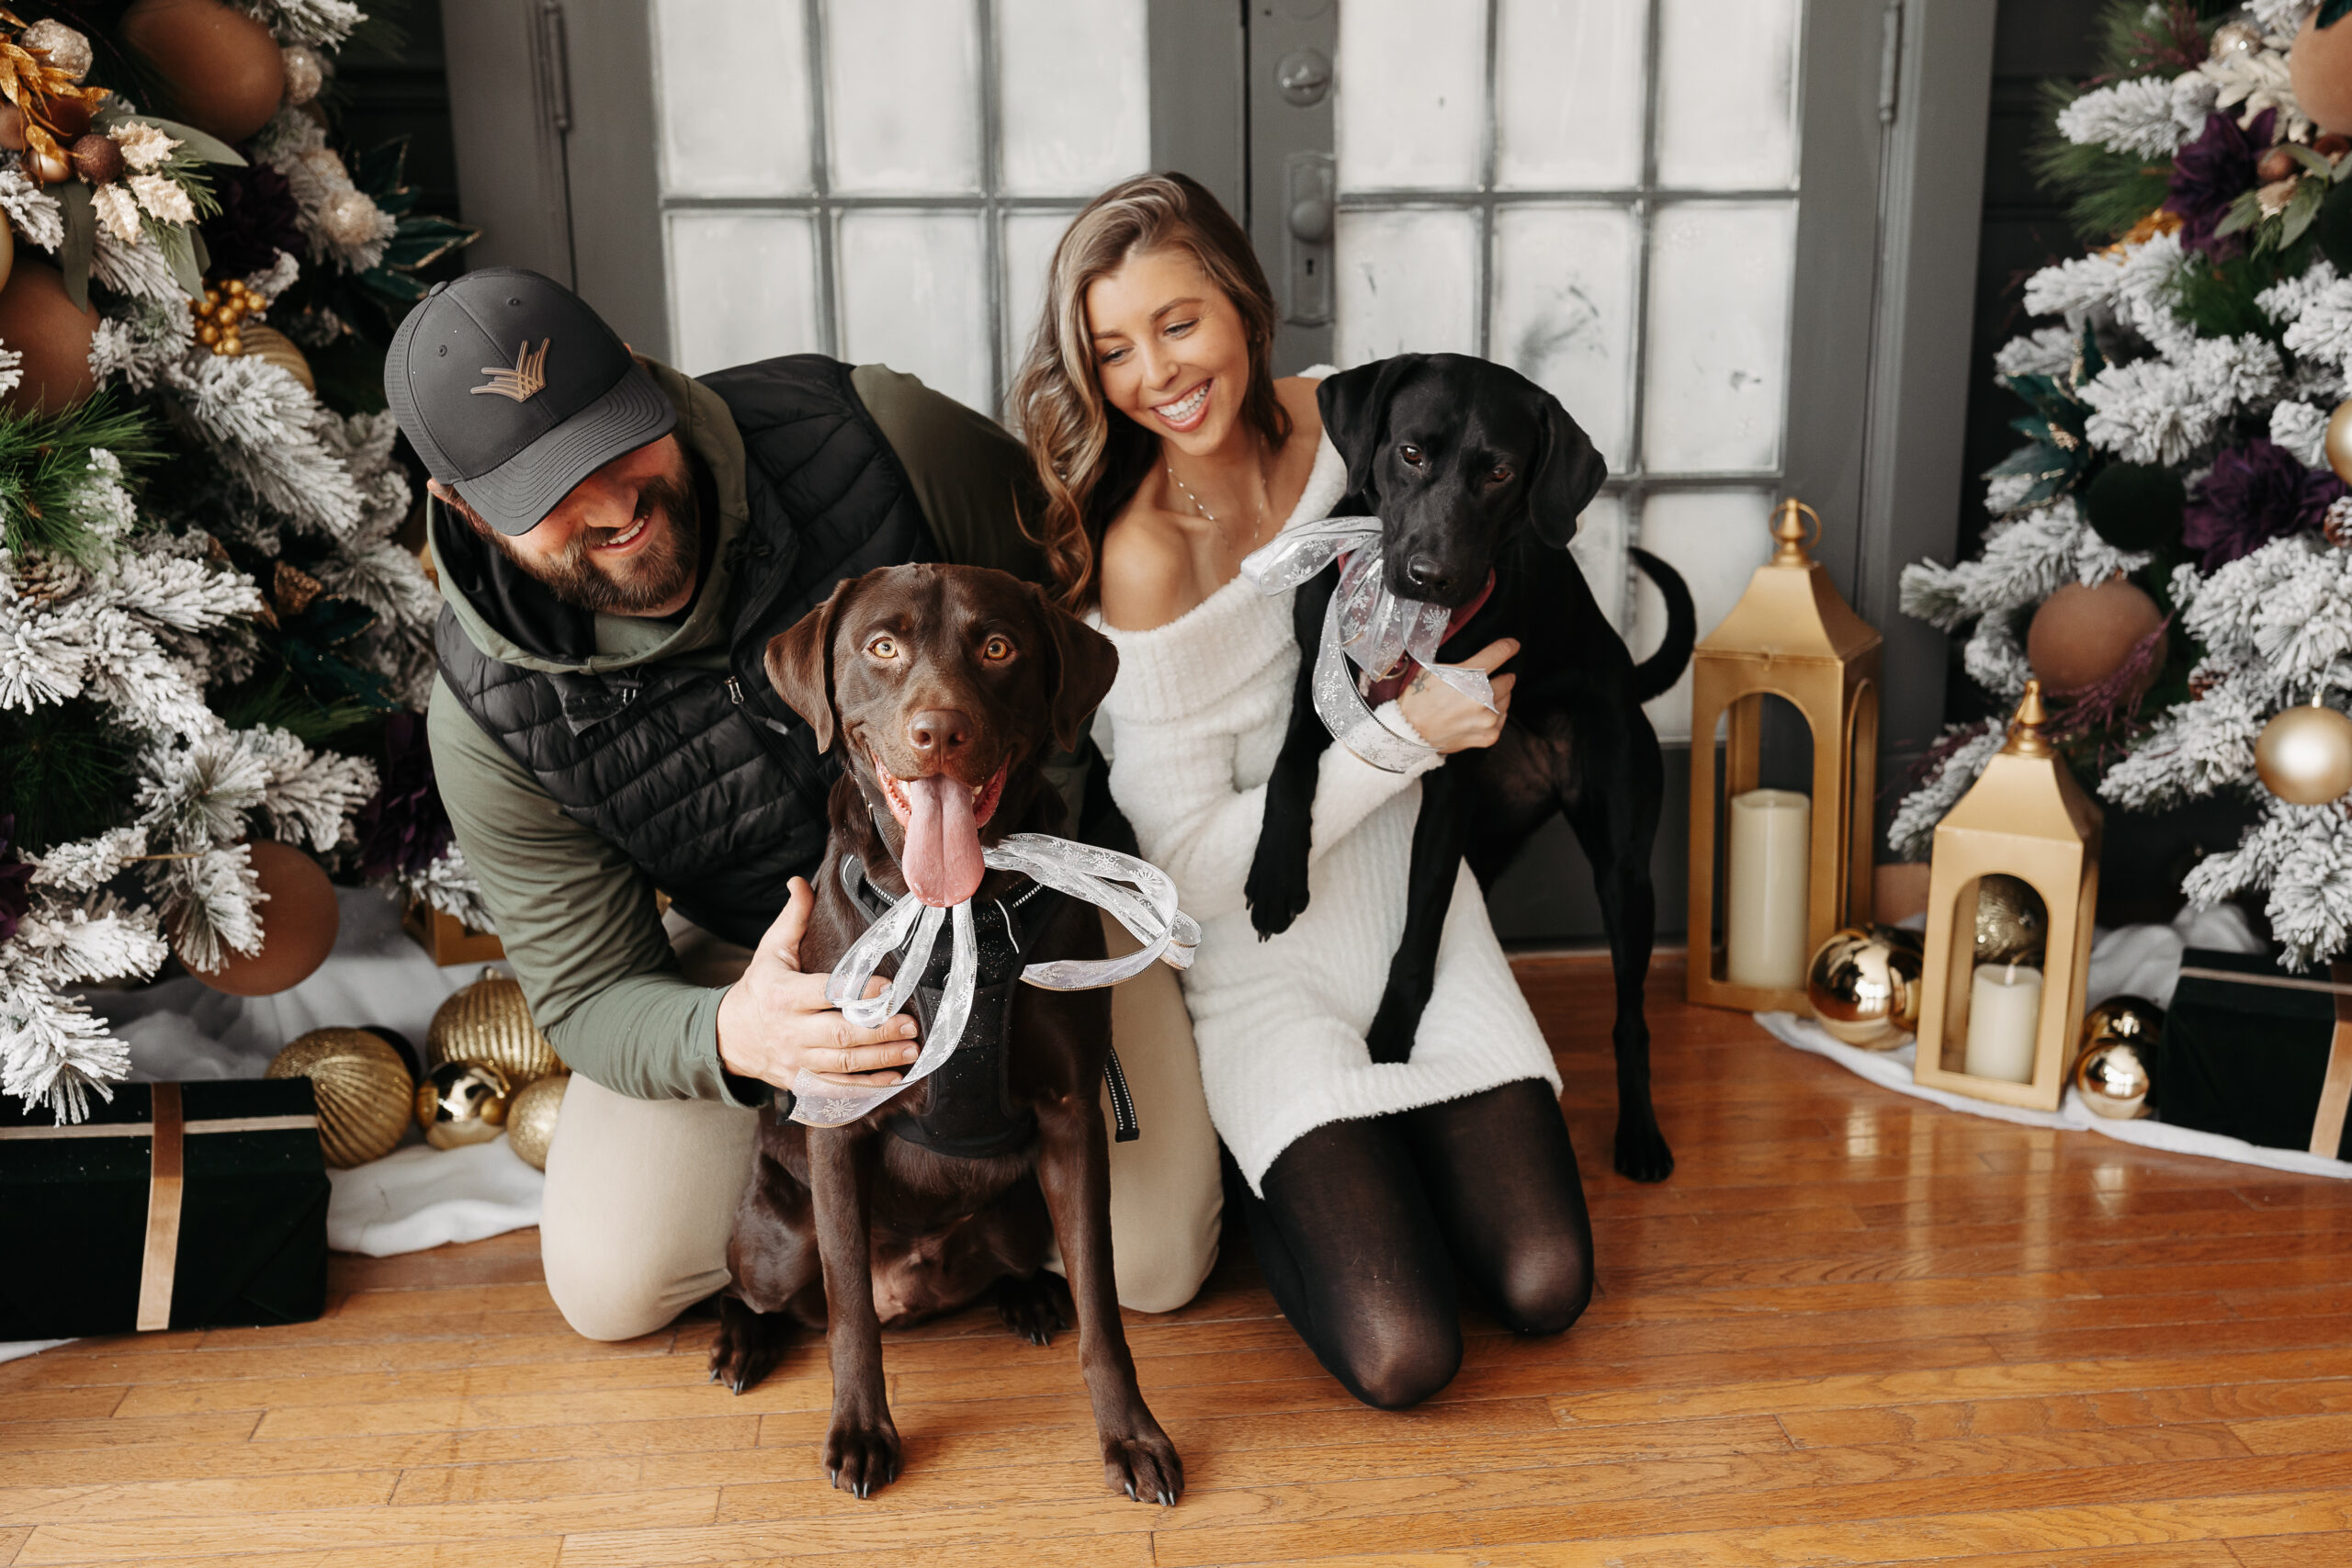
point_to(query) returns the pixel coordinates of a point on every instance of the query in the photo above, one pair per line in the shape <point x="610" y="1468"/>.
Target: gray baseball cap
<point x="513" y="390"/>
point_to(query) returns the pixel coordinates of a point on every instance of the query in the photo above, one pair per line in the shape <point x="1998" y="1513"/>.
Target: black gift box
<point x="220" y="1221"/>
<point x="2245" y="1050"/>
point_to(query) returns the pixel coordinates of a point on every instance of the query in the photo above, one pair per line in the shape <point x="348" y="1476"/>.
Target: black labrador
<point x="1479" y="474"/>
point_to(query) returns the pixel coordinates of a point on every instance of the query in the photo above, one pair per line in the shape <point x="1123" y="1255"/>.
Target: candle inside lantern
<point x="2004" y="1022"/>
<point x="1764" y="896"/>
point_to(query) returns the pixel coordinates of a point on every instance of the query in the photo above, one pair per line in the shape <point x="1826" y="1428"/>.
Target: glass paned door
<point x="1602" y="195"/>
<point x="885" y="180"/>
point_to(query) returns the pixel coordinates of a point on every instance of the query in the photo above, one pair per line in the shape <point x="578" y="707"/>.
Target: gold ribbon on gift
<point x="2335" y="1085"/>
<point x="167" y="1129"/>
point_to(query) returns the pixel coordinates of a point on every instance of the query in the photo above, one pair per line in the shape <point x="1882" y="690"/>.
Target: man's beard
<point x="645" y="581"/>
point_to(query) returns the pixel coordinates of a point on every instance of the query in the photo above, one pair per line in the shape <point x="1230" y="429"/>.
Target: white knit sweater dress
<point x="1193" y="726"/>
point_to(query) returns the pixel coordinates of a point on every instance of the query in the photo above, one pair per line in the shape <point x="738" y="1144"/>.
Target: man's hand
<point x="775" y="1022"/>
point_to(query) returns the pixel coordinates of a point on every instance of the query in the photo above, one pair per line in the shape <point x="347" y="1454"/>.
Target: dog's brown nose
<point x="1428" y="573"/>
<point x="939" y="733"/>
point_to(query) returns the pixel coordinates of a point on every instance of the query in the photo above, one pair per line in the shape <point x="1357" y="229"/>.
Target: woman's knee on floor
<point x="1544" y="1288"/>
<point x="1397" y="1362"/>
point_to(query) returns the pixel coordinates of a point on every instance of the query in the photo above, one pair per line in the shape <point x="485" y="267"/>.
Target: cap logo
<point x="525" y="379"/>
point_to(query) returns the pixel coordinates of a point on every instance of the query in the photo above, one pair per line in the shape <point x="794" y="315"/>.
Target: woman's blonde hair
<point x="1089" y="463"/>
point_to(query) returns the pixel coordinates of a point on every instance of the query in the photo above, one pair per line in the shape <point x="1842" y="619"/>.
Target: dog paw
<point x="1145" y="1466"/>
<point x="749" y="1345"/>
<point x="1277" y="897"/>
<point x="1642" y="1152"/>
<point x="1035" y="1308"/>
<point x="862" y="1457"/>
<point x="1393" y="1027"/>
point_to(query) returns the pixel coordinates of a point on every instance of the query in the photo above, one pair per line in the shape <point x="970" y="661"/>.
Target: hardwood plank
<point x="542" y="1553"/>
<point x="2331" y="1551"/>
<point x="20" y="1436"/>
<point x="102" y="1495"/>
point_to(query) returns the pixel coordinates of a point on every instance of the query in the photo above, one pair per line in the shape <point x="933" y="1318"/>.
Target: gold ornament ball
<point x="2339" y="445"/>
<point x="1864" y="985"/>
<point x="224" y="71"/>
<point x="300" y="918"/>
<point x="2011" y="920"/>
<point x="489" y="1022"/>
<point x="2133" y="1019"/>
<point x="272" y="346"/>
<point x="365" y="1093"/>
<point x="67" y="50"/>
<point x="38" y="322"/>
<point x="2304" y="756"/>
<point x="2081" y="635"/>
<point x="2319" y="71"/>
<point x="2112" y="1077"/>
<point x="531" y="1117"/>
<point x="47" y="167"/>
<point x="305" y="73"/>
<point x="462" y="1102"/>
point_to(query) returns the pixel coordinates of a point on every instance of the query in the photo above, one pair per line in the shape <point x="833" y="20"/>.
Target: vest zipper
<point x="735" y="691"/>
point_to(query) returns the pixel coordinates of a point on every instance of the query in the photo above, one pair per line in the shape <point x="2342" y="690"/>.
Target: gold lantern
<point x="2005" y="1030"/>
<point x="1792" y="868"/>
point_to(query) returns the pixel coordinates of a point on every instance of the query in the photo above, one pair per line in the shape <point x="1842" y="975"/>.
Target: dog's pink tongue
<point x="942" y="861"/>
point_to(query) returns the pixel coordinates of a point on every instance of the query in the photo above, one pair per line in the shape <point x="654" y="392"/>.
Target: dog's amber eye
<point x="997" y="650"/>
<point x="1501" y="475"/>
<point x="883" y="648"/>
<point x="1410" y="453"/>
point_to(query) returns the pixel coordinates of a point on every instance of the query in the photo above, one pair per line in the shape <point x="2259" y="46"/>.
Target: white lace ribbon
<point x="1136" y="892"/>
<point x="1367" y="625"/>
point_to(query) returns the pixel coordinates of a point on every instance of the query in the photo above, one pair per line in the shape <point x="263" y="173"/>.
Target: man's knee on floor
<point x="1163" y="1279"/>
<point x="608" y="1298"/>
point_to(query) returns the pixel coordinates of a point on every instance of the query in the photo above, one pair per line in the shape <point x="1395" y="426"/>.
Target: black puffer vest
<point x="701" y="776"/>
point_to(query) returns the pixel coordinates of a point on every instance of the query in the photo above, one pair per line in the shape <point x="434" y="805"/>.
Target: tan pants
<point x="641" y="1193"/>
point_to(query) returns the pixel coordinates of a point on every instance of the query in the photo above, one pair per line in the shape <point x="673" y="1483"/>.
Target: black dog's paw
<point x="862" y="1457"/>
<point x="1642" y="1153"/>
<point x="1144" y="1465"/>
<point x="749" y="1345"/>
<point x="1035" y="1308"/>
<point x="1277" y="894"/>
<point x="1393" y="1027"/>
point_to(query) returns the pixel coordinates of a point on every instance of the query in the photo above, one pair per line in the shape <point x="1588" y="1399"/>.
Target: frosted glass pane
<point x="1716" y="539"/>
<point x="1411" y="110"/>
<point x="1408" y="283"/>
<point x="1075" y="95"/>
<point x="1564" y="279"/>
<point x="1029" y="242"/>
<point x="902" y="92"/>
<point x="1728" y="76"/>
<point x="1599" y="550"/>
<point x="1717" y="372"/>
<point x="914" y="296"/>
<point x="714" y="57"/>
<point x="742" y="287"/>
<point x="1569" y="94"/>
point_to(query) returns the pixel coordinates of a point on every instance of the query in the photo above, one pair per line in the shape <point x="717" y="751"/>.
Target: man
<point x="616" y="544"/>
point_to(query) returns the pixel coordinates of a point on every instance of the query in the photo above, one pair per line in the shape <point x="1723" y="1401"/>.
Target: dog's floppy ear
<point x="1568" y="476"/>
<point x="1354" y="405"/>
<point x="800" y="663"/>
<point x="1084" y="666"/>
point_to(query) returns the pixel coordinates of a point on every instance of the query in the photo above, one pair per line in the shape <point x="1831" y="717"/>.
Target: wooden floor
<point x="1852" y="1328"/>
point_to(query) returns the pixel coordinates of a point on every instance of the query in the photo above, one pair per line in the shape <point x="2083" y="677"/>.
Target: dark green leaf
<point x="378" y="170"/>
<point x="2301" y="208"/>
<point x="2311" y="161"/>
<point x="2245" y="212"/>
<point x="81" y="241"/>
<point x="2333" y="11"/>
<point x="177" y="241"/>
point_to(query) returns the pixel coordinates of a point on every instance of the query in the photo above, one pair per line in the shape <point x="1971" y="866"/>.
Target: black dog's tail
<point x="1654" y="675"/>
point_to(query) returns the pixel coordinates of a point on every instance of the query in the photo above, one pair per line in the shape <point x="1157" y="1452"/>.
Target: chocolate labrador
<point x="1479" y="477"/>
<point x="943" y="688"/>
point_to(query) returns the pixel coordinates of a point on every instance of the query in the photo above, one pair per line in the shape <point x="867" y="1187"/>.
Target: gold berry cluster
<point x="221" y="313"/>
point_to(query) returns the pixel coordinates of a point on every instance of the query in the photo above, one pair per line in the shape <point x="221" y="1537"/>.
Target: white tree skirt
<point x="2142" y="961"/>
<point x="416" y="1197"/>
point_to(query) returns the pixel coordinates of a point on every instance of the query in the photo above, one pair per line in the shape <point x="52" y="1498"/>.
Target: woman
<point x="1169" y="452"/>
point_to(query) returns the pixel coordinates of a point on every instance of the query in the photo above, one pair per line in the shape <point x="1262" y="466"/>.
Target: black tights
<point x="1363" y="1222"/>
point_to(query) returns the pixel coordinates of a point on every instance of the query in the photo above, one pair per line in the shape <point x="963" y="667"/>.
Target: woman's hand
<point x="1451" y="722"/>
<point x="775" y="1022"/>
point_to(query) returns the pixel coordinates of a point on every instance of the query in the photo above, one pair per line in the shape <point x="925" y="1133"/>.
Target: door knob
<point x="1310" y="218"/>
<point x="1305" y="76"/>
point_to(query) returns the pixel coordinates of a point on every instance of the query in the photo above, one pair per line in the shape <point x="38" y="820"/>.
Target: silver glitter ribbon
<point x="1367" y="625"/>
<point x="1136" y="892"/>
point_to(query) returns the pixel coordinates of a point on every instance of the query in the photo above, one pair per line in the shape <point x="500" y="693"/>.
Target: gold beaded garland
<point x="220" y="316"/>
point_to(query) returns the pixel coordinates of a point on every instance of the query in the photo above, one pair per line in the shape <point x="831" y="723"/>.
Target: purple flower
<point x="2255" y="493"/>
<point x="404" y="828"/>
<point x="2211" y="173"/>
<point x="258" y="217"/>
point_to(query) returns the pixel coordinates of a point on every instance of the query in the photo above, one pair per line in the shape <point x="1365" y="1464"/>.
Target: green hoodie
<point x="576" y="915"/>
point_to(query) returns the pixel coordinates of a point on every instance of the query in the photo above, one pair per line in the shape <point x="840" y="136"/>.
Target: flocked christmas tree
<point x="2168" y="549"/>
<point x="210" y="632"/>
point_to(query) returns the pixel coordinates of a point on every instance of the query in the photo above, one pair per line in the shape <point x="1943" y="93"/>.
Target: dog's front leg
<point x="1277" y="886"/>
<point x="1439" y="835"/>
<point x="861" y="1444"/>
<point x="1074" y="1168"/>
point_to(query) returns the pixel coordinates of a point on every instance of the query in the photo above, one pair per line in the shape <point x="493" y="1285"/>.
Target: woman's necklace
<point x="1210" y="517"/>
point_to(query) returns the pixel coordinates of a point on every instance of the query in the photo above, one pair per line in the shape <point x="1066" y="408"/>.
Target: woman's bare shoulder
<point x="1297" y="396"/>
<point x="1146" y="571"/>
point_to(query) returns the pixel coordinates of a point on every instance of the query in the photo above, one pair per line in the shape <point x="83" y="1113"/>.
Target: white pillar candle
<point x="1765" y="888"/>
<point x="2004" y="1022"/>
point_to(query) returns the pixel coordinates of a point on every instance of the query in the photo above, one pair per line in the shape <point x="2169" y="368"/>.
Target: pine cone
<point x="44" y="580"/>
<point x="2337" y="525"/>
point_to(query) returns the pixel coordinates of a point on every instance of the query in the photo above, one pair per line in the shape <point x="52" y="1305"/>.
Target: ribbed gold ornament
<point x="531" y="1117"/>
<point x="270" y="345"/>
<point x="489" y="1022"/>
<point x="363" y="1087"/>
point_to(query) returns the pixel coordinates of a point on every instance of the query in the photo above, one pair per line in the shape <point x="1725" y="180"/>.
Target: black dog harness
<point x="971" y="1113"/>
